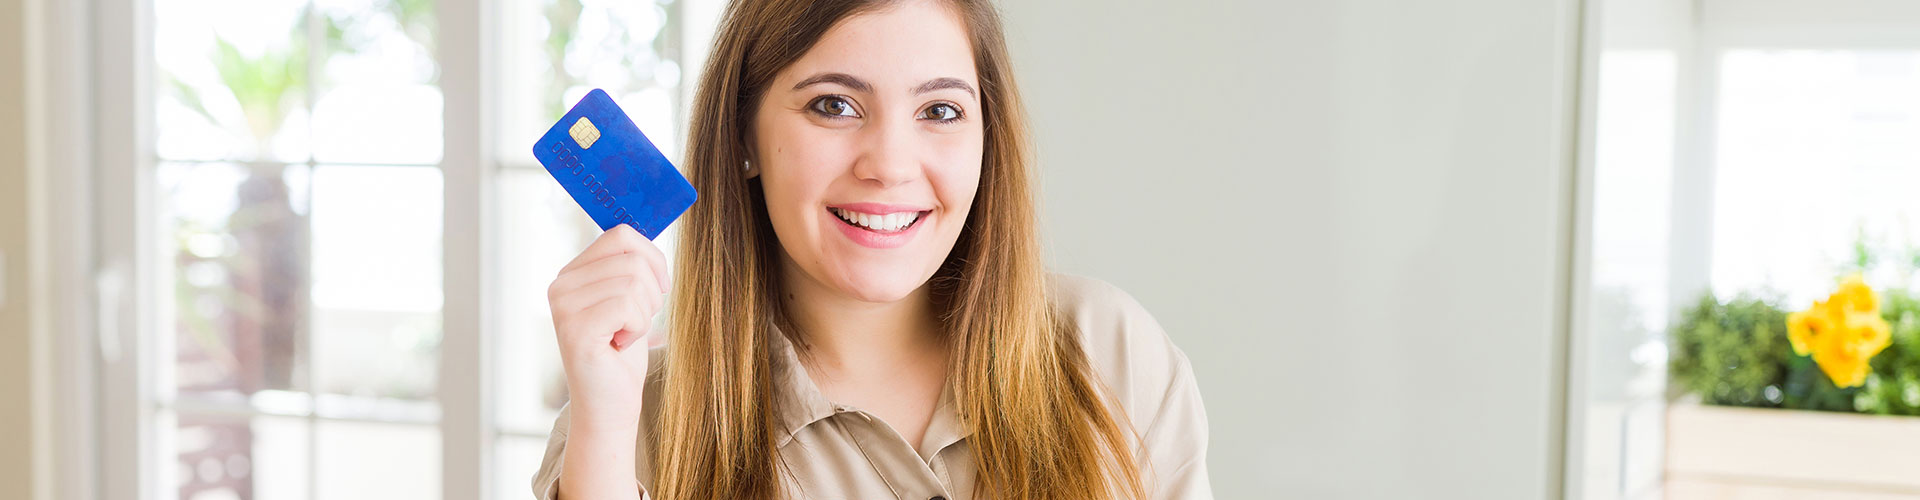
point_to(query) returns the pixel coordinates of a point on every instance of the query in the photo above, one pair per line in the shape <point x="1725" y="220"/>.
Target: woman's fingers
<point x="658" y="262"/>
<point x="613" y="266"/>
<point x="611" y="291"/>
<point x="620" y="239"/>
<point x="620" y="243"/>
<point x="654" y="258"/>
<point x="613" y="316"/>
<point x="584" y="296"/>
<point x="624" y="338"/>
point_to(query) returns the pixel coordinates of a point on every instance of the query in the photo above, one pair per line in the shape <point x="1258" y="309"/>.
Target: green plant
<point x="1736" y="353"/>
<point x="1894" y="388"/>
<point x="1732" y="353"/>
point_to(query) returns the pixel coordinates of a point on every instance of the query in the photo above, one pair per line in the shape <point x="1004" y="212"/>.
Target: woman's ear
<point x="746" y="165"/>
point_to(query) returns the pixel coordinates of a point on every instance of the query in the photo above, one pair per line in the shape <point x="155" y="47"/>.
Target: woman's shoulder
<point x="1126" y="347"/>
<point x="1105" y="315"/>
<point x="1151" y="381"/>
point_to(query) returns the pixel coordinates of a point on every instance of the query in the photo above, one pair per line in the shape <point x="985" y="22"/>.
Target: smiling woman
<point x="859" y="308"/>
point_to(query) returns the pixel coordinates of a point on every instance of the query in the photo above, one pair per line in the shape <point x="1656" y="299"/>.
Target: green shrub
<point x="1894" y="387"/>
<point x="1735" y="353"/>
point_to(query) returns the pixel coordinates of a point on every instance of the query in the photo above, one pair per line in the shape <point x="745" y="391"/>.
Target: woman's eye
<point x="941" y="112"/>
<point x="834" y="106"/>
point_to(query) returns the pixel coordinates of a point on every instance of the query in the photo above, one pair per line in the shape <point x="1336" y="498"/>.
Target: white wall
<point x="16" y="417"/>
<point x="24" y="338"/>
<point x="1353" y="216"/>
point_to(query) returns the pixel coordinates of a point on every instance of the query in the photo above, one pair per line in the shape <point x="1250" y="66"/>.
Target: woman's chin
<point x="881" y="285"/>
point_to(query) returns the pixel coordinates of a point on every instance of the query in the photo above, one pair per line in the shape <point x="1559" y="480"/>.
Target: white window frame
<point x="126" y="273"/>
<point x="106" y="69"/>
<point x="128" y="268"/>
<point x="466" y="417"/>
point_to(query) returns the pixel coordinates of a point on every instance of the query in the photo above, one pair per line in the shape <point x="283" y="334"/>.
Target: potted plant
<point x="1819" y="402"/>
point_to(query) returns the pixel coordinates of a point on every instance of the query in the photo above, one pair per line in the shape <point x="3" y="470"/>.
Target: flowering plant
<point x="1841" y="333"/>
<point x="1855" y="351"/>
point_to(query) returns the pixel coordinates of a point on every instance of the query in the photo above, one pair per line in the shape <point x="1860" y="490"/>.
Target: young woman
<point x="859" y="306"/>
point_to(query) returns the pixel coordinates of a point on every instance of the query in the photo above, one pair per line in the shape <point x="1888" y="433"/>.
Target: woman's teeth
<point x="889" y="222"/>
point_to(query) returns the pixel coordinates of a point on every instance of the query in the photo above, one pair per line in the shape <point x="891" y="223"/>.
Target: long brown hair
<point x="1039" y="426"/>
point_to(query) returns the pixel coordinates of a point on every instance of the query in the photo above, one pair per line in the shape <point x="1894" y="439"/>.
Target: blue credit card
<point x="611" y="169"/>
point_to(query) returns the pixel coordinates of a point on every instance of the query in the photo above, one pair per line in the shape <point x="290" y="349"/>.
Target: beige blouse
<point x="840" y="452"/>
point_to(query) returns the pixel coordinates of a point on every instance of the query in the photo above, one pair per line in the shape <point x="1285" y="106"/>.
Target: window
<point x="299" y="211"/>
<point x="1817" y="151"/>
<point x="1737" y="147"/>
<point x="297" y="233"/>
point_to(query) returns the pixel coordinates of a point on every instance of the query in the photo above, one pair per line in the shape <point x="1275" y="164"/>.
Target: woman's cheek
<point x="805" y="169"/>
<point x="956" y="187"/>
<point x="957" y="181"/>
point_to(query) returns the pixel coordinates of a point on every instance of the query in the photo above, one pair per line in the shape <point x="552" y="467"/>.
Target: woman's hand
<point x="603" y="304"/>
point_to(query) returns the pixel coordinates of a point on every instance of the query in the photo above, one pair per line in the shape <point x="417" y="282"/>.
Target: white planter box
<point x="1717" y="452"/>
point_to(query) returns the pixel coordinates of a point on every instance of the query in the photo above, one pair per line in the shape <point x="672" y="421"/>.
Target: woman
<point x="860" y="309"/>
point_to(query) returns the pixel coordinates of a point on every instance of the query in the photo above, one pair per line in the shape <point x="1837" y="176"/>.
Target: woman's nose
<point x="890" y="156"/>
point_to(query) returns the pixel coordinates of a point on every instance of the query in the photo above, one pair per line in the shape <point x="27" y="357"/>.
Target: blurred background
<point x="297" y="249"/>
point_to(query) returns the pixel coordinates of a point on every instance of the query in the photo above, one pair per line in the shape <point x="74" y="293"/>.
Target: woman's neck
<point x="846" y="336"/>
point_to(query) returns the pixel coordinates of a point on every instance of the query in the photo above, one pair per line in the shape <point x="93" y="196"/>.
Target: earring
<point x="746" y="165"/>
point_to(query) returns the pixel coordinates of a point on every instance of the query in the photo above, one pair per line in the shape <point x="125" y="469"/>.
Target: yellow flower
<point x="1855" y="296"/>
<point x="1842" y="333"/>
<point x="1804" y="326"/>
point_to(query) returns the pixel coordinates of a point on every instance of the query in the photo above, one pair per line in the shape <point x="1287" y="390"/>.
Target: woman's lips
<point x="878" y="226"/>
<point x="878" y="208"/>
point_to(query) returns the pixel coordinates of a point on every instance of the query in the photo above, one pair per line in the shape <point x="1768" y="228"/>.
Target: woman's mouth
<point x="878" y="226"/>
<point x="888" y="223"/>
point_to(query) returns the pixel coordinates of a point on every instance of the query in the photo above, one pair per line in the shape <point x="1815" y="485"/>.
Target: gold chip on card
<point x="584" y="133"/>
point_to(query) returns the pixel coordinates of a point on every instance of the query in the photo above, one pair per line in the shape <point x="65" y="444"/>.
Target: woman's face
<point x="869" y="150"/>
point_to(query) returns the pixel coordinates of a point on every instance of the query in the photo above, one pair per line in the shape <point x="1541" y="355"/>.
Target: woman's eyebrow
<point x="862" y="86"/>
<point x="840" y="78"/>
<point x="944" y="83"/>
